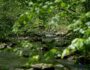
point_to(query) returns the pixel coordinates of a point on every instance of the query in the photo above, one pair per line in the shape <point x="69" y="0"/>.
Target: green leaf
<point x="87" y="14"/>
<point x="51" y="54"/>
<point x="66" y="52"/>
<point x="57" y="1"/>
<point x="77" y="44"/>
<point x="63" y="4"/>
<point x="87" y="32"/>
<point x="34" y="59"/>
<point x="87" y="41"/>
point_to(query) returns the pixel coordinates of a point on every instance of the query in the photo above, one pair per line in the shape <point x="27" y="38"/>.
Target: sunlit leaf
<point x="77" y="44"/>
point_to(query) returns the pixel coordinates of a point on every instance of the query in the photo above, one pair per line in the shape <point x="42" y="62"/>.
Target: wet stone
<point x="43" y="67"/>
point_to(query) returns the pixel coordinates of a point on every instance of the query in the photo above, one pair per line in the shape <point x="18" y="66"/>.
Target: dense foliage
<point x="82" y="26"/>
<point x="36" y="31"/>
